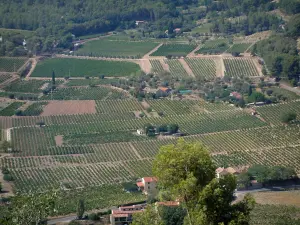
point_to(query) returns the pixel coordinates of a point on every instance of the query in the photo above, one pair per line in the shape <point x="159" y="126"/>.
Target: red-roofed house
<point x="236" y="95"/>
<point x="165" y="89"/>
<point x="123" y="215"/>
<point x="148" y="185"/>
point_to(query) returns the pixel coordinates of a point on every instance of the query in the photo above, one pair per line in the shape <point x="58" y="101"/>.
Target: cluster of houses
<point x="148" y="185"/>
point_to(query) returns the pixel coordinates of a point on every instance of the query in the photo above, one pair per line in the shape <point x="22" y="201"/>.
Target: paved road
<point x="65" y="219"/>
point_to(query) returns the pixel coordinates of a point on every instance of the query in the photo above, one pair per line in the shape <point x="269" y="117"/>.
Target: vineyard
<point x="11" y="109"/>
<point x="83" y="68"/>
<point x="11" y="64"/>
<point x="242" y="47"/>
<point x="119" y="49"/>
<point x="118" y="106"/>
<point x="174" y="50"/>
<point x="273" y="113"/>
<point x="176" y="68"/>
<point x="156" y="66"/>
<point x="216" y="46"/>
<point x="84" y="93"/>
<point x="90" y="82"/>
<point x="239" y="67"/>
<point x="4" y="77"/>
<point x="204" y="68"/>
<point x="34" y="109"/>
<point x="28" y="86"/>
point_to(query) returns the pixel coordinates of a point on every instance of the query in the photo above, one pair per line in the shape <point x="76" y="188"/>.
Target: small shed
<point x="140" y="131"/>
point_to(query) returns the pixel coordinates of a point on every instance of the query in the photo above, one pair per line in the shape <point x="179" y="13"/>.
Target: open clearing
<point x="69" y="107"/>
<point x="110" y="48"/>
<point x="278" y="198"/>
<point x="82" y="68"/>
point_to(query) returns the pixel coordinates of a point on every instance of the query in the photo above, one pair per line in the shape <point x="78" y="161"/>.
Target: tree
<point x="172" y="215"/>
<point x="288" y="117"/>
<point x="243" y="180"/>
<point x="5" y="146"/>
<point x="80" y="209"/>
<point x="53" y="78"/>
<point x="33" y="207"/>
<point x="173" y="128"/>
<point x="148" y="216"/>
<point x="1" y="187"/>
<point x="188" y="173"/>
<point x="260" y="173"/>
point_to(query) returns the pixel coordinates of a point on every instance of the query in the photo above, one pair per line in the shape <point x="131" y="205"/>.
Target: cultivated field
<point x="216" y="46"/>
<point x="69" y="108"/>
<point x="204" y="68"/>
<point x="174" y="50"/>
<point x="240" y="67"/>
<point x="11" y="64"/>
<point x="242" y="47"/>
<point x="110" y="48"/>
<point x="82" y="68"/>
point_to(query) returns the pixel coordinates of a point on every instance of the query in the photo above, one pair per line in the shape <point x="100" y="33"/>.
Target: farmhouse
<point x="221" y="171"/>
<point x="236" y="95"/>
<point x="123" y="215"/>
<point x="165" y="90"/>
<point x="148" y="185"/>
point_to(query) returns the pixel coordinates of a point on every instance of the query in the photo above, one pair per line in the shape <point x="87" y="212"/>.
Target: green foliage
<point x="80" y="209"/>
<point x="11" y="109"/>
<point x="256" y="97"/>
<point x="172" y="215"/>
<point x="11" y="64"/>
<point x="288" y="117"/>
<point x="82" y="68"/>
<point x="148" y="216"/>
<point x="290" y="6"/>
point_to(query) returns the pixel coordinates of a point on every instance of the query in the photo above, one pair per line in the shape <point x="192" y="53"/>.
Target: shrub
<point x="8" y="177"/>
<point x="288" y="117"/>
<point x="93" y="216"/>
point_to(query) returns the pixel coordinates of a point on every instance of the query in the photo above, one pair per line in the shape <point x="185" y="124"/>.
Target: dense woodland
<point x="52" y="23"/>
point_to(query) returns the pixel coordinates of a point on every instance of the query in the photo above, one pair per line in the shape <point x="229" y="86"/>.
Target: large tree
<point x="187" y="172"/>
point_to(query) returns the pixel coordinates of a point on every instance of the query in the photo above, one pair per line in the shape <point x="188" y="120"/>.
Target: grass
<point x="278" y="198"/>
<point x="27" y="86"/>
<point x="11" y="64"/>
<point x="82" y="68"/>
<point x="216" y="46"/>
<point x="174" y="50"/>
<point x="109" y="48"/>
<point x="87" y="82"/>
<point x="203" y="28"/>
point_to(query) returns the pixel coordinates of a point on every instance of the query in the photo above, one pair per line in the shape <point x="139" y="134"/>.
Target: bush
<point x="93" y="216"/>
<point x="288" y="117"/>
<point x="8" y="177"/>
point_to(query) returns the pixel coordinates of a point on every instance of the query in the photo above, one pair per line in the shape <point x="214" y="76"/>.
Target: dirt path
<point x="220" y="67"/>
<point x="192" y="54"/>
<point x="33" y="65"/>
<point x="152" y="51"/>
<point x="187" y="68"/>
<point x="145" y="65"/>
<point x="258" y="66"/>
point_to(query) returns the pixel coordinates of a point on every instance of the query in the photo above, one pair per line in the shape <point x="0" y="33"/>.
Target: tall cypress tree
<point x="53" y="78"/>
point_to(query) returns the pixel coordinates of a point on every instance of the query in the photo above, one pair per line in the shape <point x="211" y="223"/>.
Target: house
<point x="139" y="22"/>
<point x="123" y="215"/>
<point x="148" y="185"/>
<point x="165" y="89"/>
<point x="177" y="30"/>
<point x="236" y="95"/>
<point x="221" y="171"/>
<point x="140" y="131"/>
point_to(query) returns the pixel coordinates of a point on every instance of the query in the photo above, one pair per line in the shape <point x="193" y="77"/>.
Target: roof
<point x="150" y="179"/>
<point x="164" y="89"/>
<point x="125" y="213"/>
<point x="236" y="95"/>
<point x="140" y="184"/>
<point x="133" y="206"/>
<point x="231" y="170"/>
<point x="219" y="170"/>
<point x="168" y="203"/>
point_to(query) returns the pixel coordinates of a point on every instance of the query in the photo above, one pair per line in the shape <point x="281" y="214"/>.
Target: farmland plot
<point x="174" y="50"/>
<point x="90" y="82"/>
<point x="240" y="67"/>
<point x="4" y="77"/>
<point x="204" y="68"/>
<point x="84" y="67"/>
<point x="34" y="109"/>
<point x="84" y="93"/>
<point x="111" y="48"/>
<point x="113" y="106"/>
<point x="11" y="64"/>
<point x="176" y="68"/>
<point x="11" y="109"/>
<point x="241" y="47"/>
<point x="156" y="66"/>
<point x="27" y="86"/>
<point x="216" y="46"/>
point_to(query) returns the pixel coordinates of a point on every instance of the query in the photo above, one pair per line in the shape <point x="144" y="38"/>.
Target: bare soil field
<point x="59" y="140"/>
<point x="69" y="107"/>
<point x="278" y="197"/>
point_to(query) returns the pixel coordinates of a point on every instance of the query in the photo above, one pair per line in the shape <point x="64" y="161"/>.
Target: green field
<point x="240" y="67"/>
<point x="174" y="50"/>
<point x="82" y="68"/>
<point x="11" y="64"/>
<point x="239" y="47"/>
<point x="110" y="48"/>
<point x="11" y="109"/>
<point x="216" y="46"/>
<point x="203" y="28"/>
<point x="89" y="82"/>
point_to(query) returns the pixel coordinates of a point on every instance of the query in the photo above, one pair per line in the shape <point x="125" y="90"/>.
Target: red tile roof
<point x="140" y="184"/>
<point x="164" y="89"/>
<point x="150" y="179"/>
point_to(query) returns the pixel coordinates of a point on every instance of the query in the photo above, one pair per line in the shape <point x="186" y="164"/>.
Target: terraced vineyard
<point x="110" y="48"/>
<point x="82" y="68"/>
<point x="240" y="67"/>
<point x="204" y="68"/>
<point x="176" y="68"/>
<point x="174" y="50"/>
<point x="11" y="64"/>
<point x="84" y="93"/>
<point x="156" y="66"/>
